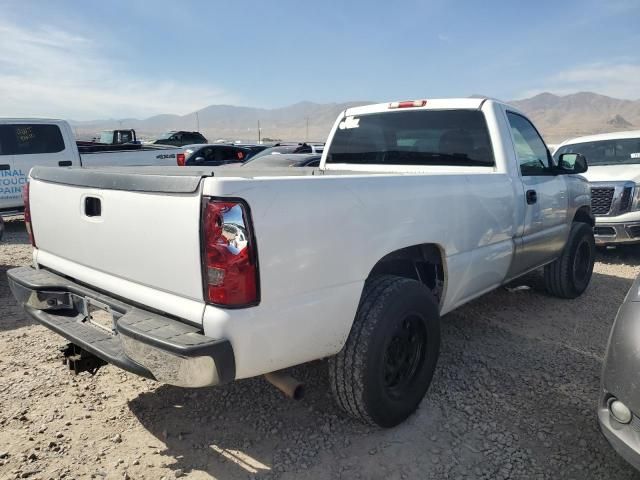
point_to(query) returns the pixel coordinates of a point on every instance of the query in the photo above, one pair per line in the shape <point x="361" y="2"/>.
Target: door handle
<point x="532" y="197"/>
<point x="64" y="163"/>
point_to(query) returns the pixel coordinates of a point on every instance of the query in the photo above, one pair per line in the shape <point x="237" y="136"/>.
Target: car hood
<point x="613" y="173"/>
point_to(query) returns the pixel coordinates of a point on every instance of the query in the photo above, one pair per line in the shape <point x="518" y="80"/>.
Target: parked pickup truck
<point x="614" y="173"/>
<point x="26" y="142"/>
<point x="201" y="277"/>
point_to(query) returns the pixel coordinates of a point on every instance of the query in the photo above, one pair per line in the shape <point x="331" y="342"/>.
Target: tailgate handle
<point x="92" y="206"/>
<point x="64" y="163"/>
<point x="5" y="167"/>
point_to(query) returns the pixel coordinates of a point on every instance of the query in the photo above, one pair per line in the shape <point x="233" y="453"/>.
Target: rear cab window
<point x="30" y="139"/>
<point x="417" y="137"/>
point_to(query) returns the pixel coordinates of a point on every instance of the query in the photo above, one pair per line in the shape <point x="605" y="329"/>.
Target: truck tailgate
<point x="144" y="228"/>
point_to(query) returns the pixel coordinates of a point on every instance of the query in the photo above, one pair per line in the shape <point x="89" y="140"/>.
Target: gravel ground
<point x="514" y="396"/>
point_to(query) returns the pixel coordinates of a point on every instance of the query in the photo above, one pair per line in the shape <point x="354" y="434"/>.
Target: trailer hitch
<point x="79" y="360"/>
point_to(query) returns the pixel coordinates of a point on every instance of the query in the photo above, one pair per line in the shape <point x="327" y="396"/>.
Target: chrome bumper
<point x="612" y="233"/>
<point x="142" y="342"/>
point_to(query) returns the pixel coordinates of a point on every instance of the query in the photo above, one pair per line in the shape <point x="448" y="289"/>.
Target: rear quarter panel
<point x="319" y="237"/>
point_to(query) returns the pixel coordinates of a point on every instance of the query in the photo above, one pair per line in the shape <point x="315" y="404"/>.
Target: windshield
<point x="418" y="137"/>
<point x="165" y="136"/>
<point x="106" y="136"/>
<point x="621" y="151"/>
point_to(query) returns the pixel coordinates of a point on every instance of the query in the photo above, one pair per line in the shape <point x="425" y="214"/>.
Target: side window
<point x="531" y="150"/>
<point x="226" y="154"/>
<point x="27" y="139"/>
<point x="208" y="154"/>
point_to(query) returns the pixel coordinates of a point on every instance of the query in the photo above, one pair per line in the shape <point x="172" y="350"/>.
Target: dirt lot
<point x="513" y="397"/>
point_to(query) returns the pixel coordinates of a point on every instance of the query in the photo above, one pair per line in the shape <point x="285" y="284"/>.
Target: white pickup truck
<point x="199" y="278"/>
<point x="614" y="174"/>
<point x="27" y="142"/>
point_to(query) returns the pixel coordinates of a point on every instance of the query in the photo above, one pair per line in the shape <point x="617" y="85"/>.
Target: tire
<point x="570" y="274"/>
<point x="385" y="368"/>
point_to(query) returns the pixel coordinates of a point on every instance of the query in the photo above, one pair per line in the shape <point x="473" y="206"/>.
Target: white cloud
<point x="618" y="80"/>
<point x="45" y="71"/>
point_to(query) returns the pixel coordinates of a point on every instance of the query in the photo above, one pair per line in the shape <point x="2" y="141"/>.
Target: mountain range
<point x="557" y="117"/>
<point x="561" y="117"/>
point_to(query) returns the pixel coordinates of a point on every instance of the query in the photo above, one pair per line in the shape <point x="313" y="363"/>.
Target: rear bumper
<point x="615" y="233"/>
<point x="141" y="342"/>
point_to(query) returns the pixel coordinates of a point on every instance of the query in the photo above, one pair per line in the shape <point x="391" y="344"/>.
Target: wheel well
<point x="584" y="215"/>
<point x="419" y="262"/>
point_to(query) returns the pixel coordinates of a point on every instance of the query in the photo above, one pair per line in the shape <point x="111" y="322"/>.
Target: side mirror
<point x="199" y="160"/>
<point x="569" y="163"/>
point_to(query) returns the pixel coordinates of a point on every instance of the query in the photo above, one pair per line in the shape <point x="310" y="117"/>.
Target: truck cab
<point x="118" y="137"/>
<point x="25" y="142"/>
<point x="614" y="175"/>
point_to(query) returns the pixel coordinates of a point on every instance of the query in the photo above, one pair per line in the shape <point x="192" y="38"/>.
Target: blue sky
<point x="117" y="58"/>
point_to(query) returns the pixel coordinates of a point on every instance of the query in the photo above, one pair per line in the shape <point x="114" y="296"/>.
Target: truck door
<point x="545" y="199"/>
<point x="25" y="145"/>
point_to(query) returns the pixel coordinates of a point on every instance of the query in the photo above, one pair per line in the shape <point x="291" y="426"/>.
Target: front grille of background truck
<point x="601" y="199"/>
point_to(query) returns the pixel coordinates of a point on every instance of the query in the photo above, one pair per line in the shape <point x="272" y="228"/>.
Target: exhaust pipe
<point x="288" y="385"/>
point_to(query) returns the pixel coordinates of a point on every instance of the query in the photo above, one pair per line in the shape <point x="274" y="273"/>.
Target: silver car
<point x="619" y="406"/>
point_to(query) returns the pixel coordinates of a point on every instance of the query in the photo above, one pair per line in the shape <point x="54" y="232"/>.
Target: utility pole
<point x="197" y="122"/>
<point x="259" y="132"/>
<point x="306" y="138"/>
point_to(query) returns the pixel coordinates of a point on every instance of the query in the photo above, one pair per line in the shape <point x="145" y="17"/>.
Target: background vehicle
<point x="419" y="207"/>
<point x="216" y="154"/>
<point x="180" y="138"/>
<point x="27" y="142"/>
<point x="254" y="147"/>
<point x="118" y="137"/>
<point x="284" y="160"/>
<point x="303" y="147"/>
<point x="614" y="173"/>
<point x="619" y="404"/>
<point x="291" y="148"/>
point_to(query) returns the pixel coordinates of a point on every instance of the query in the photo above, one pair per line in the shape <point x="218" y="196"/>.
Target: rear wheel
<point x="570" y="274"/>
<point x="386" y="366"/>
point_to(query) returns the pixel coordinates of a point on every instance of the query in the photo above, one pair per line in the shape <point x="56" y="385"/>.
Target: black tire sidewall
<point x="413" y="299"/>
<point x="580" y="232"/>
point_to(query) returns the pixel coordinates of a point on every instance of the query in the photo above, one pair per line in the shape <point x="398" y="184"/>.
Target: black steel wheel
<point x="386" y="365"/>
<point x="570" y="274"/>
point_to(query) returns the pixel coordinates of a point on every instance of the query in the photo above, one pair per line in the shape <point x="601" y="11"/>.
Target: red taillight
<point x="27" y="213"/>
<point x="181" y="158"/>
<point x="230" y="259"/>
<point x="408" y="104"/>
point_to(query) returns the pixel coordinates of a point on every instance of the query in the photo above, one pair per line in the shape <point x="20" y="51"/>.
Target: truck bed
<point x="170" y="179"/>
<point x="90" y="147"/>
<point x="158" y="179"/>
